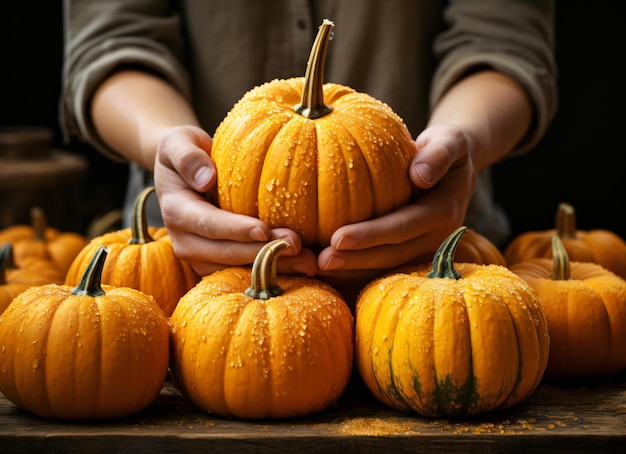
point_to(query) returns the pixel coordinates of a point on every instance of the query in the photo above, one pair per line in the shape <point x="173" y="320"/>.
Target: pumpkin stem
<point x="90" y="281"/>
<point x="312" y="104"/>
<point x="39" y="223"/>
<point x="443" y="263"/>
<point x="7" y="261"/>
<point x="560" y="260"/>
<point x="264" y="284"/>
<point x="566" y="221"/>
<point x="138" y="222"/>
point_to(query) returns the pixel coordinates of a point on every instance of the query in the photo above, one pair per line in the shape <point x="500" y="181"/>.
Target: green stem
<point x="264" y="284"/>
<point x="90" y="281"/>
<point x="560" y="259"/>
<point x="138" y="222"/>
<point x="312" y="103"/>
<point x="443" y="263"/>
<point x="565" y="223"/>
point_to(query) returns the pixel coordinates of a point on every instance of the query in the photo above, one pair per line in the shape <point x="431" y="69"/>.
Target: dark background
<point x="580" y="161"/>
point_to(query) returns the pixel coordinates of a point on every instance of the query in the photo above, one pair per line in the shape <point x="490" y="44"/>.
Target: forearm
<point x="492" y="109"/>
<point x="132" y="109"/>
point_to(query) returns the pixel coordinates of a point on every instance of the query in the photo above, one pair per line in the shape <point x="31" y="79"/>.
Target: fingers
<point x="439" y="148"/>
<point x="184" y="151"/>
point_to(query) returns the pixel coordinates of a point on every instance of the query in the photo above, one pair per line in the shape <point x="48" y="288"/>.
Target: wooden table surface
<point x="586" y="416"/>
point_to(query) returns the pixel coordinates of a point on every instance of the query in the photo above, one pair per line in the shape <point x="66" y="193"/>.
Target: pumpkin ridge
<point x="381" y="167"/>
<point x="329" y="355"/>
<point x="51" y="361"/>
<point x="354" y="166"/>
<point x="288" y="179"/>
<point x="228" y="341"/>
<point x="261" y="310"/>
<point x="233" y="183"/>
<point x="392" y="391"/>
<point x="15" y="390"/>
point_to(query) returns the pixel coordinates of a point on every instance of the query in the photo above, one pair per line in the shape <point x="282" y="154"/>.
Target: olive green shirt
<point x="406" y="53"/>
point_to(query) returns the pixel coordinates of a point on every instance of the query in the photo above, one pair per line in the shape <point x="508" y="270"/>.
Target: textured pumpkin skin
<point x="586" y="317"/>
<point x="81" y="357"/>
<point x="233" y="355"/>
<point x="312" y="175"/>
<point x="598" y="245"/>
<point x="443" y="347"/>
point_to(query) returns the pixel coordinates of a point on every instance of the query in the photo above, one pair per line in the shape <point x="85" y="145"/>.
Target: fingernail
<point x="334" y="263"/>
<point x="203" y="176"/>
<point x="425" y="172"/>
<point x="345" y="242"/>
<point x="257" y="234"/>
<point x="301" y="268"/>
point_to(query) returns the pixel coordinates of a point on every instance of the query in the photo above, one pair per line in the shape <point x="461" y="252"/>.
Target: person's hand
<point x="205" y="236"/>
<point x="444" y="176"/>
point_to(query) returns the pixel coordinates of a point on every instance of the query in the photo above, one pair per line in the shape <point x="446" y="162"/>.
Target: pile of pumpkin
<point x="89" y="329"/>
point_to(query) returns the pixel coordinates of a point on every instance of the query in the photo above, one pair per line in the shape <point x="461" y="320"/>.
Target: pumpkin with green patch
<point x="451" y="339"/>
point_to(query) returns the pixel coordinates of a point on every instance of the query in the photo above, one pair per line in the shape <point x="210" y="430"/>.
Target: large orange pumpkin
<point x="140" y="257"/>
<point x="310" y="156"/>
<point x="585" y="305"/>
<point x="38" y="240"/>
<point x="451" y="339"/>
<point x="279" y="347"/>
<point x="598" y="245"/>
<point x="88" y="352"/>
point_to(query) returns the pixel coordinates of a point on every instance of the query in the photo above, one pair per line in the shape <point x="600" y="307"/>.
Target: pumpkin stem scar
<point x="264" y="284"/>
<point x="312" y="104"/>
<point x="139" y="224"/>
<point x="561" y="266"/>
<point x="443" y="262"/>
<point x="90" y="282"/>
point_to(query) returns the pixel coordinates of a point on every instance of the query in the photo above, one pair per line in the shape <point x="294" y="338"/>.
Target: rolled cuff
<point x="538" y="84"/>
<point x="75" y="117"/>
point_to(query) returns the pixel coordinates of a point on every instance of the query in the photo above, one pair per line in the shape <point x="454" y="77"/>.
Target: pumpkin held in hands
<point x="281" y="347"/>
<point x="454" y="339"/>
<point x="312" y="157"/>
<point x="88" y="352"/>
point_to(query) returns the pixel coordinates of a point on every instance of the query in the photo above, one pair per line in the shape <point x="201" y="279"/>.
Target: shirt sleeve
<point x="101" y="37"/>
<point x="513" y="37"/>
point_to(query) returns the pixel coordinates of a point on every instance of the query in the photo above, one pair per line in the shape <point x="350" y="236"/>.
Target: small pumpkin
<point x="585" y="305"/>
<point x="14" y="280"/>
<point x="452" y="339"/>
<point x="312" y="157"/>
<point x="88" y="352"/>
<point x="251" y="344"/>
<point x="38" y="240"/>
<point x="140" y="257"/>
<point x="598" y="245"/>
